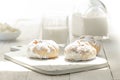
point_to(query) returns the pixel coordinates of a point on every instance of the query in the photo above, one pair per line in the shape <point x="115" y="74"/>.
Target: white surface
<point x="54" y="66"/>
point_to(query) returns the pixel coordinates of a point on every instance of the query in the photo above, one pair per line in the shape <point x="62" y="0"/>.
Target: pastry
<point x="43" y="49"/>
<point x="80" y="51"/>
<point x="92" y="41"/>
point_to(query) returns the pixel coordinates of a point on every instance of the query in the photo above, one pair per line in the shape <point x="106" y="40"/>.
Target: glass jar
<point x="95" y="20"/>
<point x="90" y="20"/>
<point x="55" y="28"/>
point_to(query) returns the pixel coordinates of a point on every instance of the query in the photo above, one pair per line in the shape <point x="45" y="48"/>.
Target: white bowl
<point x="9" y="35"/>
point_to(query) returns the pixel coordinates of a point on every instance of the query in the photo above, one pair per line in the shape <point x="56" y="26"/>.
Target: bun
<point x="43" y="49"/>
<point x="79" y="51"/>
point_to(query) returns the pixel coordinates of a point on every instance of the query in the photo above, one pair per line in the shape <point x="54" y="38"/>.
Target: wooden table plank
<point x="11" y="71"/>
<point x="9" y="75"/>
<point x="36" y="76"/>
<point x="101" y="74"/>
<point x="61" y="77"/>
<point x="112" y="49"/>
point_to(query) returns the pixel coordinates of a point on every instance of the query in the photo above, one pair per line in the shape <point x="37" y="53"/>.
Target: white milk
<point x="96" y="26"/>
<point x="58" y="34"/>
<point x="77" y="24"/>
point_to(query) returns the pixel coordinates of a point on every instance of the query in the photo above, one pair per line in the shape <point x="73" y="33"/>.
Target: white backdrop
<point x="19" y="9"/>
<point x="11" y="10"/>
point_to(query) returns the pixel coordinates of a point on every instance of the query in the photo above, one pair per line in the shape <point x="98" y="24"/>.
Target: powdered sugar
<point x="80" y="50"/>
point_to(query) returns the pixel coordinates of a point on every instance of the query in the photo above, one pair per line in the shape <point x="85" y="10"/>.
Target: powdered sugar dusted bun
<point x="80" y="50"/>
<point x="92" y="41"/>
<point x="43" y="49"/>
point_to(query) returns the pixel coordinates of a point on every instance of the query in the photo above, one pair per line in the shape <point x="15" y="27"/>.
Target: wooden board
<point x="56" y="66"/>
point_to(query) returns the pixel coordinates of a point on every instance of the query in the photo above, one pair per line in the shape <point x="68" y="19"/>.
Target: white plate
<point x="9" y="35"/>
<point x="56" y="66"/>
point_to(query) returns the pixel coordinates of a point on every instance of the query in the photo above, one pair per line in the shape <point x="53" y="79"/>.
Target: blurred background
<point x="13" y="10"/>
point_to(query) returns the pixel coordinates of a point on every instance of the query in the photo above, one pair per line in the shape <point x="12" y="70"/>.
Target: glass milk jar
<point x="90" y="19"/>
<point x="55" y="28"/>
<point x="95" y="20"/>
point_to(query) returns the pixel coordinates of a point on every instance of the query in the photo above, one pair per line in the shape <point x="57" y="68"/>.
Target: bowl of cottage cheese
<point x="8" y="33"/>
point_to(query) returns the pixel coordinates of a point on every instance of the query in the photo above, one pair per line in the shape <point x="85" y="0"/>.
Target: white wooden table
<point x="30" y="31"/>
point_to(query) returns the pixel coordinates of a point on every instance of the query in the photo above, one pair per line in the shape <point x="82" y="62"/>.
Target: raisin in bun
<point x="43" y="49"/>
